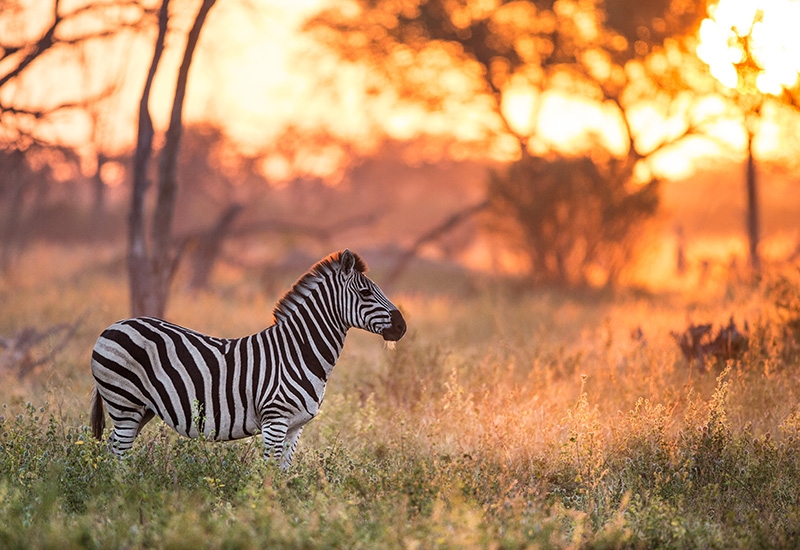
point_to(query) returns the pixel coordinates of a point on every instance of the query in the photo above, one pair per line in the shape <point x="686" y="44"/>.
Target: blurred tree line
<point x="34" y="161"/>
<point x="45" y="176"/>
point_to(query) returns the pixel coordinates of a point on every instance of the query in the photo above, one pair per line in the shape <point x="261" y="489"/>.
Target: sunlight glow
<point x="759" y="33"/>
<point x="519" y="108"/>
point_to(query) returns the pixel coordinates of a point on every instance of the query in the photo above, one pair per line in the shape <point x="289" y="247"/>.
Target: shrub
<point x="573" y="219"/>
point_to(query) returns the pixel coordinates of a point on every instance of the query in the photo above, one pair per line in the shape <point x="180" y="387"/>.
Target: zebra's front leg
<point x="292" y="437"/>
<point x="273" y="432"/>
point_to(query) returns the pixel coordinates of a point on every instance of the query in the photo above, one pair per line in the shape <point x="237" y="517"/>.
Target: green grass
<point x="504" y="419"/>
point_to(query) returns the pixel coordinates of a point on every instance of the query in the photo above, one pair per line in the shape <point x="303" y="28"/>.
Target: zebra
<point x="271" y="382"/>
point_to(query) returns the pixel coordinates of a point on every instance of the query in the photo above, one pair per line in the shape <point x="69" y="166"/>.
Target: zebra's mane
<point x="308" y="282"/>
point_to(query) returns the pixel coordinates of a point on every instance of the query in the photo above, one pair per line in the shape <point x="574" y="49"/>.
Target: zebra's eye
<point x="365" y="292"/>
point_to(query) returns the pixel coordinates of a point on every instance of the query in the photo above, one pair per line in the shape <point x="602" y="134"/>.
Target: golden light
<point x="760" y="35"/>
<point x="518" y="107"/>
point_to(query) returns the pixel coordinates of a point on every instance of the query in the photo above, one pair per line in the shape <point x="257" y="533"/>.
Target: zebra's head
<point x="363" y="303"/>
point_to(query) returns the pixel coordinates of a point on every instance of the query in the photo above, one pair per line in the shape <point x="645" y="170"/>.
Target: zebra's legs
<point x="127" y="426"/>
<point x="273" y="433"/>
<point x="289" y="445"/>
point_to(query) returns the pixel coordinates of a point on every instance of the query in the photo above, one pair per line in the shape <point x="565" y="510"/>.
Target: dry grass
<point x="504" y="418"/>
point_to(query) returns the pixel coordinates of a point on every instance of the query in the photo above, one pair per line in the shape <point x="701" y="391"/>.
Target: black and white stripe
<point x="271" y="382"/>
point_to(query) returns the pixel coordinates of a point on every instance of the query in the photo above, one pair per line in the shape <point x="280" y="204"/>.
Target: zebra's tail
<point x="97" y="419"/>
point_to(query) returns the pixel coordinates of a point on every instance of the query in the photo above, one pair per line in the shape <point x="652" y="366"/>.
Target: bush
<point x="574" y="223"/>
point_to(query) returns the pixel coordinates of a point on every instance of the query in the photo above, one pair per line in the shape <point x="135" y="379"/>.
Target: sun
<point x="752" y="44"/>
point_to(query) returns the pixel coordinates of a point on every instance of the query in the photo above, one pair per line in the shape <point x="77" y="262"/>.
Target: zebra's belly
<point x="249" y="429"/>
<point x="220" y="427"/>
<point x="239" y="432"/>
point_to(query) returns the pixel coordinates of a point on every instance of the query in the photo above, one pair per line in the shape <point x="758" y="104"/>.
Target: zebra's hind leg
<point x="273" y="432"/>
<point x="127" y="425"/>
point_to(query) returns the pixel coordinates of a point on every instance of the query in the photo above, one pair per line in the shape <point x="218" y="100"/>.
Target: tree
<point x="763" y="74"/>
<point x="573" y="221"/>
<point x="20" y="185"/>
<point x="152" y="263"/>
<point x="619" y="56"/>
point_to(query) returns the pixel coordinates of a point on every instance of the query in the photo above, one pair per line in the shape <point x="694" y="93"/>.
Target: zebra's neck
<point x="316" y="286"/>
<point x="309" y="318"/>
<point x="317" y="346"/>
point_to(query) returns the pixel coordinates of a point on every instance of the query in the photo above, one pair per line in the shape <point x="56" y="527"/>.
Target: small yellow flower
<point x="79" y="442"/>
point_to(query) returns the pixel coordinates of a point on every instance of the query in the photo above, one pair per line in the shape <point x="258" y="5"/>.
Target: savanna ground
<point x="504" y="419"/>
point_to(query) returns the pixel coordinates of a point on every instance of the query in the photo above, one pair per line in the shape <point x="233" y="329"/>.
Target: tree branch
<point x="431" y="235"/>
<point x="41" y="45"/>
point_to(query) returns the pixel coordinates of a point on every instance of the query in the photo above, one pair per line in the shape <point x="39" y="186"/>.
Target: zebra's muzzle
<point x="396" y="329"/>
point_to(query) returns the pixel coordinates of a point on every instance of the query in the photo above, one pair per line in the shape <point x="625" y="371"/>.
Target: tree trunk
<point x="752" y="207"/>
<point x="210" y="245"/>
<point x="144" y="299"/>
<point x="161" y="236"/>
<point x="11" y="227"/>
<point x="151" y="268"/>
<point x="99" y="203"/>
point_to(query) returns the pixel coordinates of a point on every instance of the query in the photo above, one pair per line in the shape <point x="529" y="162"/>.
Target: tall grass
<point x="504" y="419"/>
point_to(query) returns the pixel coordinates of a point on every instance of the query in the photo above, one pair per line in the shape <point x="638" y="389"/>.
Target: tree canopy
<point x="624" y="58"/>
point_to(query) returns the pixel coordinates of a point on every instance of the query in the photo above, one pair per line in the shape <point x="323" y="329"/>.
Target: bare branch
<point x="19" y="351"/>
<point x="49" y="40"/>
<point x="42" y="45"/>
<point x="432" y="235"/>
<point x="44" y="113"/>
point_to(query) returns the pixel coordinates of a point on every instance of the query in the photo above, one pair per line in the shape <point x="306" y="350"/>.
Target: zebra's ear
<point x="347" y="262"/>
